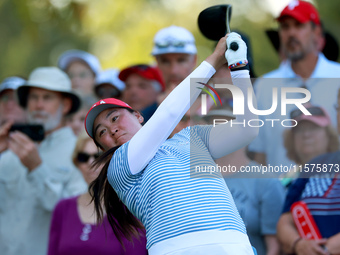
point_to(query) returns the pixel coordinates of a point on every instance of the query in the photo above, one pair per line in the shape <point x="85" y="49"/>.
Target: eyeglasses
<point x="316" y="111"/>
<point x="7" y="97"/>
<point x="81" y="75"/>
<point x="303" y="129"/>
<point x="176" y="44"/>
<point x="83" y="157"/>
<point x="108" y="92"/>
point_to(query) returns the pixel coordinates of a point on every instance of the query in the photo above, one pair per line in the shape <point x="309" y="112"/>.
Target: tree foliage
<point x="120" y="32"/>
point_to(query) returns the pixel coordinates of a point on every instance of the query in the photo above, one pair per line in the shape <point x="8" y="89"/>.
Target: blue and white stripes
<point x="167" y="199"/>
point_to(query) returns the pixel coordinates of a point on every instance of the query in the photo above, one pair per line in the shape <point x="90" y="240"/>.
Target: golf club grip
<point x="233" y="45"/>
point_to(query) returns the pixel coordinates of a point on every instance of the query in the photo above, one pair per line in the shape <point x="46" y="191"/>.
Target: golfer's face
<point x="116" y="126"/>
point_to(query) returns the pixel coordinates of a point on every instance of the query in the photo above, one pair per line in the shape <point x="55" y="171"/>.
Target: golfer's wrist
<point x="216" y="61"/>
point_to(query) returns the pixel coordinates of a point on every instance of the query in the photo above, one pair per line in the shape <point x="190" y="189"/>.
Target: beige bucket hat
<point x="49" y="78"/>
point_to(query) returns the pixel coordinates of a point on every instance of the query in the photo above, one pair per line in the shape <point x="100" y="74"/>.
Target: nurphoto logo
<point x="239" y="104"/>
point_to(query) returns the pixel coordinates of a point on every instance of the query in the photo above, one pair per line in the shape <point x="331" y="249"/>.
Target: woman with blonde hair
<point x="314" y="135"/>
<point x="74" y="228"/>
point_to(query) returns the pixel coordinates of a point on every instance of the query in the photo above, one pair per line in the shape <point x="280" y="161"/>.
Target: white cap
<point x="71" y="55"/>
<point x="174" y="39"/>
<point x="110" y="76"/>
<point x="12" y="83"/>
<point x="49" y="78"/>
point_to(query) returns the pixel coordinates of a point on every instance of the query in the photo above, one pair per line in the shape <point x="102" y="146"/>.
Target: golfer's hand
<point x="217" y="58"/>
<point x="25" y="149"/>
<point x="240" y="55"/>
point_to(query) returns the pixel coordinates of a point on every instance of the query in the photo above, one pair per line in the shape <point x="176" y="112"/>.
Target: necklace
<point x="86" y="231"/>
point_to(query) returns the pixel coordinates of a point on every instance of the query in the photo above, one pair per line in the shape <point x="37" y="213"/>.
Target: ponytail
<point x="105" y="199"/>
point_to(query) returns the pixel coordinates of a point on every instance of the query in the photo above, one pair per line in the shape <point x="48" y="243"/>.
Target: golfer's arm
<point x="226" y="138"/>
<point x="144" y="145"/>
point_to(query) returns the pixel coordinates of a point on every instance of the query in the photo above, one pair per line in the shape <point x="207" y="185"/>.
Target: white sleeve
<point x="226" y="138"/>
<point x="145" y="143"/>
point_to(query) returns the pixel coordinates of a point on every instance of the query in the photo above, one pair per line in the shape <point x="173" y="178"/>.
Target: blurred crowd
<point x="45" y="205"/>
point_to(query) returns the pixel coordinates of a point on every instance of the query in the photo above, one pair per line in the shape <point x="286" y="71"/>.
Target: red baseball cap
<point x="97" y="108"/>
<point x="146" y="71"/>
<point x="319" y="116"/>
<point x="301" y="11"/>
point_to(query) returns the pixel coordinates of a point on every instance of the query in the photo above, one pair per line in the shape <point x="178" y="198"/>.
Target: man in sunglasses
<point x="300" y="33"/>
<point x="175" y="52"/>
<point x="35" y="175"/>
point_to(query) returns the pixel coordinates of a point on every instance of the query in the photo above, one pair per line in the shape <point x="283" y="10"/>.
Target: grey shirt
<point x="27" y="199"/>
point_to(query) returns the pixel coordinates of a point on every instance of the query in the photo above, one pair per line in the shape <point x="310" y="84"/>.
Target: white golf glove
<point x="239" y="56"/>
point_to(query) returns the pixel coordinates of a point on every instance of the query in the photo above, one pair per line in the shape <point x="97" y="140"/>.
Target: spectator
<point x="321" y="194"/>
<point x="314" y="135"/>
<point x="108" y="85"/>
<point x="82" y="68"/>
<point x="328" y="44"/>
<point x="175" y="52"/>
<point x="74" y="229"/>
<point x="76" y="119"/>
<point x="258" y="198"/>
<point x="300" y="35"/>
<point x="143" y="85"/>
<point x="10" y="110"/>
<point x="34" y="176"/>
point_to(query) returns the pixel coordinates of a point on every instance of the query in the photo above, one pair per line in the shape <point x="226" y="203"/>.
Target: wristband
<point x="295" y="243"/>
<point x="246" y="67"/>
<point x="238" y="64"/>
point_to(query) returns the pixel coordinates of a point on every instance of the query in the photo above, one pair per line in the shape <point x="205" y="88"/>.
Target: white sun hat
<point x="11" y="83"/>
<point x="72" y="55"/>
<point x="174" y="39"/>
<point x="49" y="78"/>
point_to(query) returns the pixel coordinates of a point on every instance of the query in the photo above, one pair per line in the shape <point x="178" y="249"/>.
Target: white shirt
<point x="323" y="84"/>
<point x="27" y="199"/>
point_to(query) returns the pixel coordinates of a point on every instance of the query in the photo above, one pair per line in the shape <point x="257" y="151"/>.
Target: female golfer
<point x="183" y="213"/>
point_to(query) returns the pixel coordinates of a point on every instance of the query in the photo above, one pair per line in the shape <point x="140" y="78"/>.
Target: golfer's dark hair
<point x="105" y="199"/>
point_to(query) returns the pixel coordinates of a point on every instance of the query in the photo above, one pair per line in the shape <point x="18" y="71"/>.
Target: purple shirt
<point x="69" y="236"/>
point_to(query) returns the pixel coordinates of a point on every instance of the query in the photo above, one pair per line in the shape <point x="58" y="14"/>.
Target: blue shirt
<point x="169" y="196"/>
<point x="321" y="194"/>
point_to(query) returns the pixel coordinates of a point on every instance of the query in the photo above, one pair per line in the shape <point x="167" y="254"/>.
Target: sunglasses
<point x="83" y="157"/>
<point x="316" y="111"/>
<point x="108" y="92"/>
<point x="141" y="67"/>
<point x="176" y="44"/>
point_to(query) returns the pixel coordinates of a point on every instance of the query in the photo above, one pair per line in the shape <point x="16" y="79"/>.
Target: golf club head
<point x="213" y="21"/>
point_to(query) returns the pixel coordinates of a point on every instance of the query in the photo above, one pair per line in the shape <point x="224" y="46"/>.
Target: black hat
<point x="330" y="50"/>
<point x="212" y="24"/>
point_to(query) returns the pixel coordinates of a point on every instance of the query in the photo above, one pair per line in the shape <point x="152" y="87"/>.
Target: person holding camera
<point x="35" y="175"/>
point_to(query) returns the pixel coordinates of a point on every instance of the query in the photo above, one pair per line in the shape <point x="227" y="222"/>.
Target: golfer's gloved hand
<point x="239" y="56"/>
